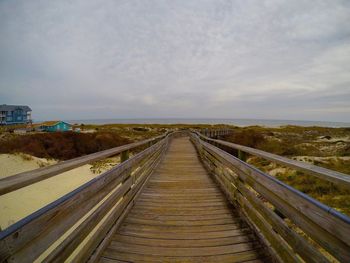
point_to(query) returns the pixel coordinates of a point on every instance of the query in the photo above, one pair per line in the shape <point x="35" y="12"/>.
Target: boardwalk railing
<point x="215" y="132"/>
<point x="340" y="179"/>
<point x="302" y="227"/>
<point x="12" y="183"/>
<point x="79" y="223"/>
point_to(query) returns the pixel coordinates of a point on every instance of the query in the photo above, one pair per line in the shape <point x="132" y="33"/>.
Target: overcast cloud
<point x="157" y="59"/>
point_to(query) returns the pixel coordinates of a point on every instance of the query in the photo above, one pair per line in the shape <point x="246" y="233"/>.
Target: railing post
<point x="242" y="156"/>
<point x="124" y="156"/>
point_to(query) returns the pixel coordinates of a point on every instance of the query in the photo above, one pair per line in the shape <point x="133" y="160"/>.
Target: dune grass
<point x="326" y="147"/>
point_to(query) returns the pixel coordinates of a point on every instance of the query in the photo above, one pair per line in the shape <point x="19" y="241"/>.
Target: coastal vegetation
<point x="325" y="147"/>
<point x="61" y="146"/>
<point x="89" y="139"/>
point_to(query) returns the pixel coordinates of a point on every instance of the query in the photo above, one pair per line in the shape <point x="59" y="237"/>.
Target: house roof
<point x="5" y="107"/>
<point x="50" y="123"/>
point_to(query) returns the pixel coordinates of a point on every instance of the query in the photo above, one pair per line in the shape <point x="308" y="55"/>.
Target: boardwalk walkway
<point x="182" y="216"/>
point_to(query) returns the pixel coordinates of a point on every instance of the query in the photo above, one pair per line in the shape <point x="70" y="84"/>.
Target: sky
<point x="88" y="59"/>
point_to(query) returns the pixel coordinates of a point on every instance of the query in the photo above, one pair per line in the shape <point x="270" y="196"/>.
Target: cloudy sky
<point x="180" y="59"/>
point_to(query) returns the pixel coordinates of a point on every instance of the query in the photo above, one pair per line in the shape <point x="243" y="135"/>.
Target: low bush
<point x="247" y="137"/>
<point x="62" y="146"/>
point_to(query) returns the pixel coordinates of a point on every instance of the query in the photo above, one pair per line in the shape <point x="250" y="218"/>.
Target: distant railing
<point x="12" y="183"/>
<point x="215" y="132"/>
<point x="78" y="225"/>
<point x="265" y="201"/>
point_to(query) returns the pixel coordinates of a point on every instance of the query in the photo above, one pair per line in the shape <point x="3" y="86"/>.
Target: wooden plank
<point x="182" y="229"/>
<point x="180" y="243"/>
<point x="191" y="200"/>
<point x="275" y="240"/>
<point x="108" y="260"/>
<point x="186" y="235"/>
<point x="149" y="213"/>
<point x="296" y="241"/>
<point x="144" y="203"/>
<point x="20" y="180"/>
<point x="313" y="230"/>
<point x="182" y="196"/>
<point x="64" y="249"/>
<point x="180" y="217"/>
<point x="231" y="257"/>
<point x="180" y="222"/>
<point x="183" y="251"/>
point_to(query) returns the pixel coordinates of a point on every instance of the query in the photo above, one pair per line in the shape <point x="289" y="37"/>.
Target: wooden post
<point x="242" y="155"/>
<point x="124" y="156"/>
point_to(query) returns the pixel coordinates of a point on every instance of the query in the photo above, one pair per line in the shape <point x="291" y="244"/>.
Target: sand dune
<point x="19" y="204"/>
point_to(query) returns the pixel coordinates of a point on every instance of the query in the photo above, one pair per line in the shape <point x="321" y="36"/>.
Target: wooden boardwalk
<point x="182" y="216"/>
<point x="161" y="205"/>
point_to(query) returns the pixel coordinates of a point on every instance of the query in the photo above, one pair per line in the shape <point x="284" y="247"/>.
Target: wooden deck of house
<point x="182" y="216"/>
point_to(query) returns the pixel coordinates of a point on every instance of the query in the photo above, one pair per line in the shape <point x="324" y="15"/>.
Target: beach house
<point x="15" y="114"/>
<point x="55" y="126"/>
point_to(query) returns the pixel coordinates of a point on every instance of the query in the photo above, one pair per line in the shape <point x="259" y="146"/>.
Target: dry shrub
<point x="246" y="137"/>
<point x="62" y="146"/>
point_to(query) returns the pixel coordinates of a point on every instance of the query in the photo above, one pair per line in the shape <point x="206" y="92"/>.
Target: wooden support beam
<point x="242" y="155"/>
<point x="124" y="156"/>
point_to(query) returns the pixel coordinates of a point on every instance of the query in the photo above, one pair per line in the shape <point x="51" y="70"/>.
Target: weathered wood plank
<point x="187" y="236"/>
<point x="297" y="242"/>
<point x="182" y="229"/>
<point x="183" y="251"/>
<point x="262" y="225"/>
<point x="180" y="243"/>
<point x="229" y="258"/>
<point x="64" y="249"/>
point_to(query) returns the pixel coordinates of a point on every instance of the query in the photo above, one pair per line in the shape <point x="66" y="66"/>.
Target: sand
<point x="11" y="164"/>
<point x="19" y="204"/>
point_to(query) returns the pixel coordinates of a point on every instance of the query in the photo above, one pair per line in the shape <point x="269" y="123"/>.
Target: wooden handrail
<point x="243" y="184"/>
<point x="104" y="198"/>
<point x="15" y="182"/>
<point x="341" y="179"/>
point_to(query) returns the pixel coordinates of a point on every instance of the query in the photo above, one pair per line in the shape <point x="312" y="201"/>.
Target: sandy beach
<point x="19" y="204"/>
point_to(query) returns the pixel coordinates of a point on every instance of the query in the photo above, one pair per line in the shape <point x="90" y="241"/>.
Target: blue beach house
<point x="15" y="114"/>
<point x="55" y="126"/>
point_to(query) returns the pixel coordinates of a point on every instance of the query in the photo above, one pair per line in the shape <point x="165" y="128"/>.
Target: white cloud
<point x="176" y="58"/>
